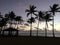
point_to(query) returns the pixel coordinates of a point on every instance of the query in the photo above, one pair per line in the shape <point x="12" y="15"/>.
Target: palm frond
<point x="35" y="11"/>
<point x="57" y="11"/>
<point x="33" y="7"/>
<point x="27" y="10"/>
<point x="50" y="7"/>
<point x="36" y="17"/>
<point x="55" y="5"/>
<point x="58" y="8"/>
<point x="28" y="14"/>
<point x="26" y="24"/>
<point x="35" y="14"/>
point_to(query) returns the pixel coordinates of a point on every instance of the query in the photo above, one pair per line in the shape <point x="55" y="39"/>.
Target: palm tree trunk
<point x="23" y="26"/>
<point x="53" y="27"/>
<point x="17" y="29"/>
<point x="17" y="24"/>
<point x="0" y="30"/>
<point x="10" y="24"/>
<point x="46" y="29"/>
<point x="31" y="27"/>
<point x="37" y="27"/>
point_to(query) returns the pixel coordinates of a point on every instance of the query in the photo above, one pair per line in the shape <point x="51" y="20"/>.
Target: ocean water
<point x="39" y="34"/>
<point x="34" y="33"/>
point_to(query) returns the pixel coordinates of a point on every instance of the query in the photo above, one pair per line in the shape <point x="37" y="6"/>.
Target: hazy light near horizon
<point x="41" y="26"/>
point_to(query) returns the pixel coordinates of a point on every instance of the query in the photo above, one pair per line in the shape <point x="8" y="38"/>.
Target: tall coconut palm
<point x="39" y="17"/>
<point x="10" y="16"/>
<point x="19" y="20"/>
<point x="53" y="9"/>
<point x="31" y="11"/>
<point x="30" y="21"/>
<point x="47" y="17"/>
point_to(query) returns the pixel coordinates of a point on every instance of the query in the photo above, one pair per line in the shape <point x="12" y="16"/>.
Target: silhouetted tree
<point x="39" y="17"/>
<point x="1" y="22"/>
<point x="1" y="16"/>
<point x="54" y="9"/>
<point x="19" y="20"/>
<point x="10" y="17"/>
<point x="6" y="18"/>
<point x="30" y="21"/>
<point x="47" y="17"/>
<point x="31" y="11"/>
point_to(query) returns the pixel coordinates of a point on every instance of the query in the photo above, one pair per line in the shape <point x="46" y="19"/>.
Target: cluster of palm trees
<point x="8" y="19"/>
<point x="42" y="16"/>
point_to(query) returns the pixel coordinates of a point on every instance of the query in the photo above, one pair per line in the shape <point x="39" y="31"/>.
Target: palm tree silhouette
<point x="6" y="18"/>
<point x="31" y="11"/>
<point x="1" y="16"/>
<point x="47" y="17"/>
<point x="10" y="17"/>
<point x="39" y="17"/>
<point x="3" y="22"/>
<point x="19" y="20"/>
<point x="30" y="21"/>
<point x="53" y="10"/>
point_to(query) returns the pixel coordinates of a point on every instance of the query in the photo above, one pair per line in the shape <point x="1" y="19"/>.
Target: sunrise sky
<point x="19" y="7"/>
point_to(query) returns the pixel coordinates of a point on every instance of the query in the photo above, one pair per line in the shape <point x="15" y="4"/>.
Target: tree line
<point x="41" y="16"/>
<point x="8" y="19"/>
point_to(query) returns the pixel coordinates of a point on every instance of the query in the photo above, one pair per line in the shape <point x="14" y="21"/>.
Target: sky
<point x="19" y="7"/>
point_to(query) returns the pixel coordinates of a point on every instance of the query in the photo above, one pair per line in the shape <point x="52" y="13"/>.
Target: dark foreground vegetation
<point x="29" y="40"/>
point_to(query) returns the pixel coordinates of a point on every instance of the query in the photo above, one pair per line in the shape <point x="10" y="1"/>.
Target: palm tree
<point x="47" y="17"/>
<point x="53" y="10"/>
<point x="31" y="11"/>
<point x="39" y="17"/>
<point x="30" y="21"/>
<point x="1" y="22"/>
<point x="19" y="20"/>
<point x="1" y="16"/>
<point x="10" y="17"/>
<point x="6" y="18"/>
